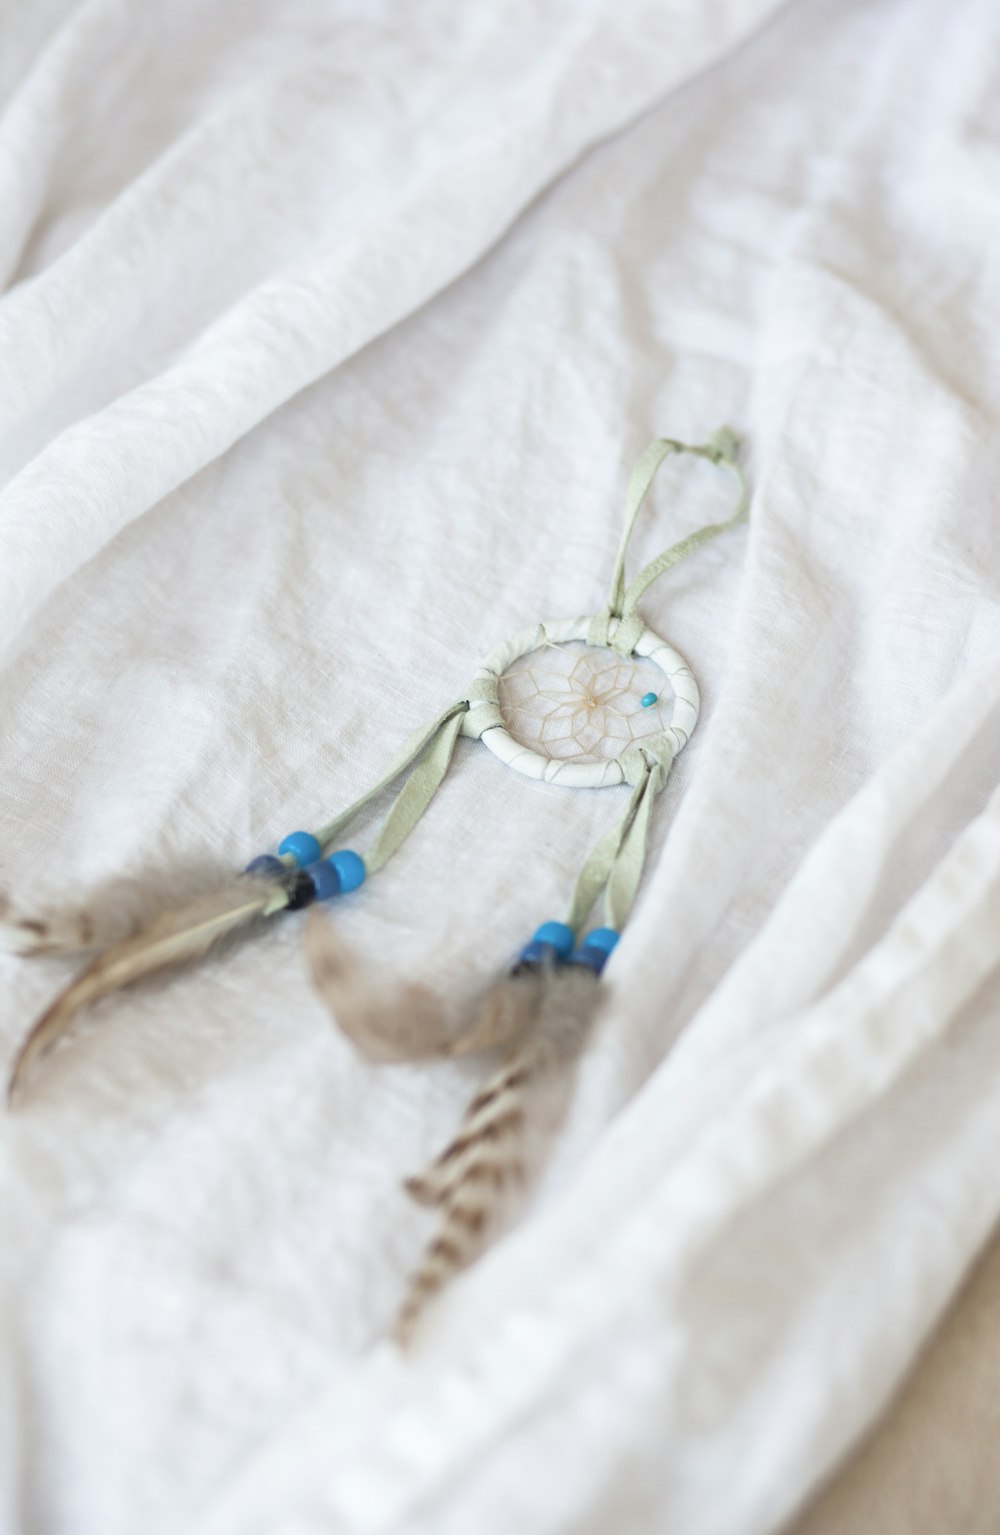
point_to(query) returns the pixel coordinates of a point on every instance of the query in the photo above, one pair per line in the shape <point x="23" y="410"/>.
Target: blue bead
<point x="302" y="846"/>
<point x="649" y="699"/>
<point x="559" y="935"/>
<point x="537" y="953"/>
<point x="267" y="866"/>
<point x="603" y="938"/>
<point x="324" y="878"/>
<point x="590" y="959"/>
<point x="350" y="869"/>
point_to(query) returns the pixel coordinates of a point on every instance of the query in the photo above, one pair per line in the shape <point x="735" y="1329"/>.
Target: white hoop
<point x="576" y="775"/>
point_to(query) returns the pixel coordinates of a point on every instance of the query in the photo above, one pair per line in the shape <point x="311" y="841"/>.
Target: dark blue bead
<point x="538" y="953"/>
<point x="590" y="959"/>
<point x="325" y="879"/>
<point x="267" y="866"/>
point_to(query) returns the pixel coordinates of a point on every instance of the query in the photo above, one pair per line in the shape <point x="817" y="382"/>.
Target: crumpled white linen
<point x="329" y="335"/>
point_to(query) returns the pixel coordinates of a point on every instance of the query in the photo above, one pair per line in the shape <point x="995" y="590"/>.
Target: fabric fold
<point x="365" y="271"/>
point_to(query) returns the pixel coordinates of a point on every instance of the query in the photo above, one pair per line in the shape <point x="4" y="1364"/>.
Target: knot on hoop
<point x="484" y="711"/>
<point x="652" y="759"/>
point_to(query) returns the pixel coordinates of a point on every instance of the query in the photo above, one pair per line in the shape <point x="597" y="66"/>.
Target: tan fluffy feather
<point x="394" y="1022"/>
<point x="505" y="1013"/>
<point x="474" y="1181"/>
<point x="171" y="939"/>
<point x="384" y="1020"/>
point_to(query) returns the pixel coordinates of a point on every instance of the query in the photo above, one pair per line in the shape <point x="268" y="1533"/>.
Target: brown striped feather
<point x="474" y="1181"/>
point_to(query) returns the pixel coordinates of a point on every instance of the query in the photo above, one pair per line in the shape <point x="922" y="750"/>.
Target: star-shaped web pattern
<point x="571" y="701"/>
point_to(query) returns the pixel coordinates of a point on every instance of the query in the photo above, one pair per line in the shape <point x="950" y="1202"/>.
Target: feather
<point x="386" y="1021"/>
<point x="503" y="1018"/>
<point x="540" y="1015"/>
<point x="475" y="1180"/>
<point x="62" y="933"/>
<point x="504" y="1014"/>
<point x="169" y="940"/>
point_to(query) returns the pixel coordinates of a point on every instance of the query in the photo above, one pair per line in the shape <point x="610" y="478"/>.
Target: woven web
<point x="572" y="701"/>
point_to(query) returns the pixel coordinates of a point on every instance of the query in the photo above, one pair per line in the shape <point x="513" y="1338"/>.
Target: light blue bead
<point x="325" y="879"/>
<point x="649" y="699"/>
<point x="603" y="938"/>
<point x="302" y="846"/>
<point x="559" y="935"/>
<point x="350" y="867"/>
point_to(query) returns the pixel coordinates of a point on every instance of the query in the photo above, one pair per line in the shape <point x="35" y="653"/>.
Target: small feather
<point x="386" y="1021"/>
<point x="475" y="1179"/>
<point x="171" y="939"/>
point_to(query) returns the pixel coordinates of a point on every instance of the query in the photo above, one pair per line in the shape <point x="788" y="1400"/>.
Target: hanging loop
<point x="721" y="448"/>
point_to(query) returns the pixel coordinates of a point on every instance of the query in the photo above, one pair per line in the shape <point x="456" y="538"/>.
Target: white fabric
<point x="226" y="596"/>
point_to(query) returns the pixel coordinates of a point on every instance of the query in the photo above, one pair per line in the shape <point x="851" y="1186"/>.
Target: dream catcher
<point x="589" y="703"/>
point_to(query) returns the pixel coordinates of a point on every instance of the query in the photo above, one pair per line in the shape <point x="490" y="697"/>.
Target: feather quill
<point x="169" y="940"/>
<point x="475" y="1180"/>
